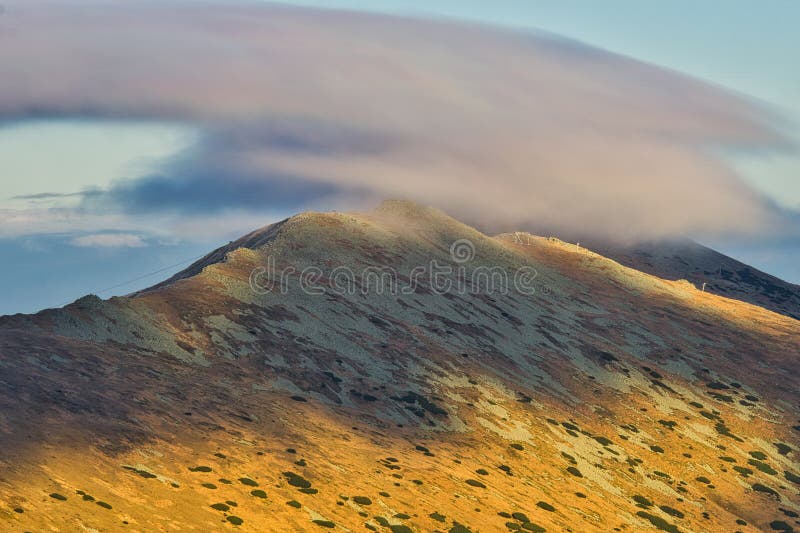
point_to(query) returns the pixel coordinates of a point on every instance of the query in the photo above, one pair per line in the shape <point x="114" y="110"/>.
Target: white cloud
<point x="109" y="240"/>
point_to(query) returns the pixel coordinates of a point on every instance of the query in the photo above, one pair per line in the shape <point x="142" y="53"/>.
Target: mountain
<point x="722" y="275"/>
<point x="400" y="371"/>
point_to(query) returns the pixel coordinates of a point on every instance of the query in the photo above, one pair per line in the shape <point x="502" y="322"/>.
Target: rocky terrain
<point x="254" y="393"/>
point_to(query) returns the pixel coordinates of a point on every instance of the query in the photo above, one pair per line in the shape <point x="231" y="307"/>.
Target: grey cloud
<point x="298" y="105"/>
<point x="45" y="196"/>
<point x="215" y="176"/>
<point x="56" y="195"/>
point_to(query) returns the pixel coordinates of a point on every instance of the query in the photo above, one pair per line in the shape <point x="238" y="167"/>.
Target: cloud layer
<point x="307" y="108"/>
<point x="109" y="240"/>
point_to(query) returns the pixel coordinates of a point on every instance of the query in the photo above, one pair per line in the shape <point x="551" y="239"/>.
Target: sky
<point x="135" y="138"/>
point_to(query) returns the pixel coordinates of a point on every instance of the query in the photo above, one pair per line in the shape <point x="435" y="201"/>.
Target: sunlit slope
<point x="597" y="399"/>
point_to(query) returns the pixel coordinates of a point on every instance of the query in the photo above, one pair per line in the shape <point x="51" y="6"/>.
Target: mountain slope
<point x="586" y="397"/>
<point x="721" y="274"/>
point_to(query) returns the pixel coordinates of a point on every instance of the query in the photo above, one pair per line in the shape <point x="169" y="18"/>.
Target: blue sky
<point x="65" y="245"/>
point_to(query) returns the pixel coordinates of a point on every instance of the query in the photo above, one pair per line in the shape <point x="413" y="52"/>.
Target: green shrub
<point x="794" y="478"/>
<point x="658" y="522"/>
<point x="546" y="506"/>
<point x="643" y="502"/>
<point x="671" y="511"/>
<point x="762" y="467"/>
<point x="758" y="487"/>
<point x="296" y="480"/>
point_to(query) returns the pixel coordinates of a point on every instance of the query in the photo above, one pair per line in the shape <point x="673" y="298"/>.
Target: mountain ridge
<point x="701" y="265"/>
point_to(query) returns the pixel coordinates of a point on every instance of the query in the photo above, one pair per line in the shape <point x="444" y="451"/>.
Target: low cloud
<point x="46" y="196"/>
<point x="305" y="108"/>
<point x="109" y="240"/>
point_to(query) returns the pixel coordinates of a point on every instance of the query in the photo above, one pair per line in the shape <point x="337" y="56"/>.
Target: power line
<point x="143" y="276"/>
<point x="150" y="274"/>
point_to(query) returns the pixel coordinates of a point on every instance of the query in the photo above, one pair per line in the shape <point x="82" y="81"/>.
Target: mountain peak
<point x="549" y="386"/>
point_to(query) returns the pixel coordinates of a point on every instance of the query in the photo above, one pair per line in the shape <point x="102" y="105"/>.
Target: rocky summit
<point x="399" y="371"/>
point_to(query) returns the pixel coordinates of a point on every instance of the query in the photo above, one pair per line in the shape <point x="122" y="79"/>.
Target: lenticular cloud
<point x="299" y="105"/>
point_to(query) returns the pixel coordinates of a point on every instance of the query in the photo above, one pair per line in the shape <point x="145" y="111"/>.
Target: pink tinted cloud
<point x="509" y="129"/>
